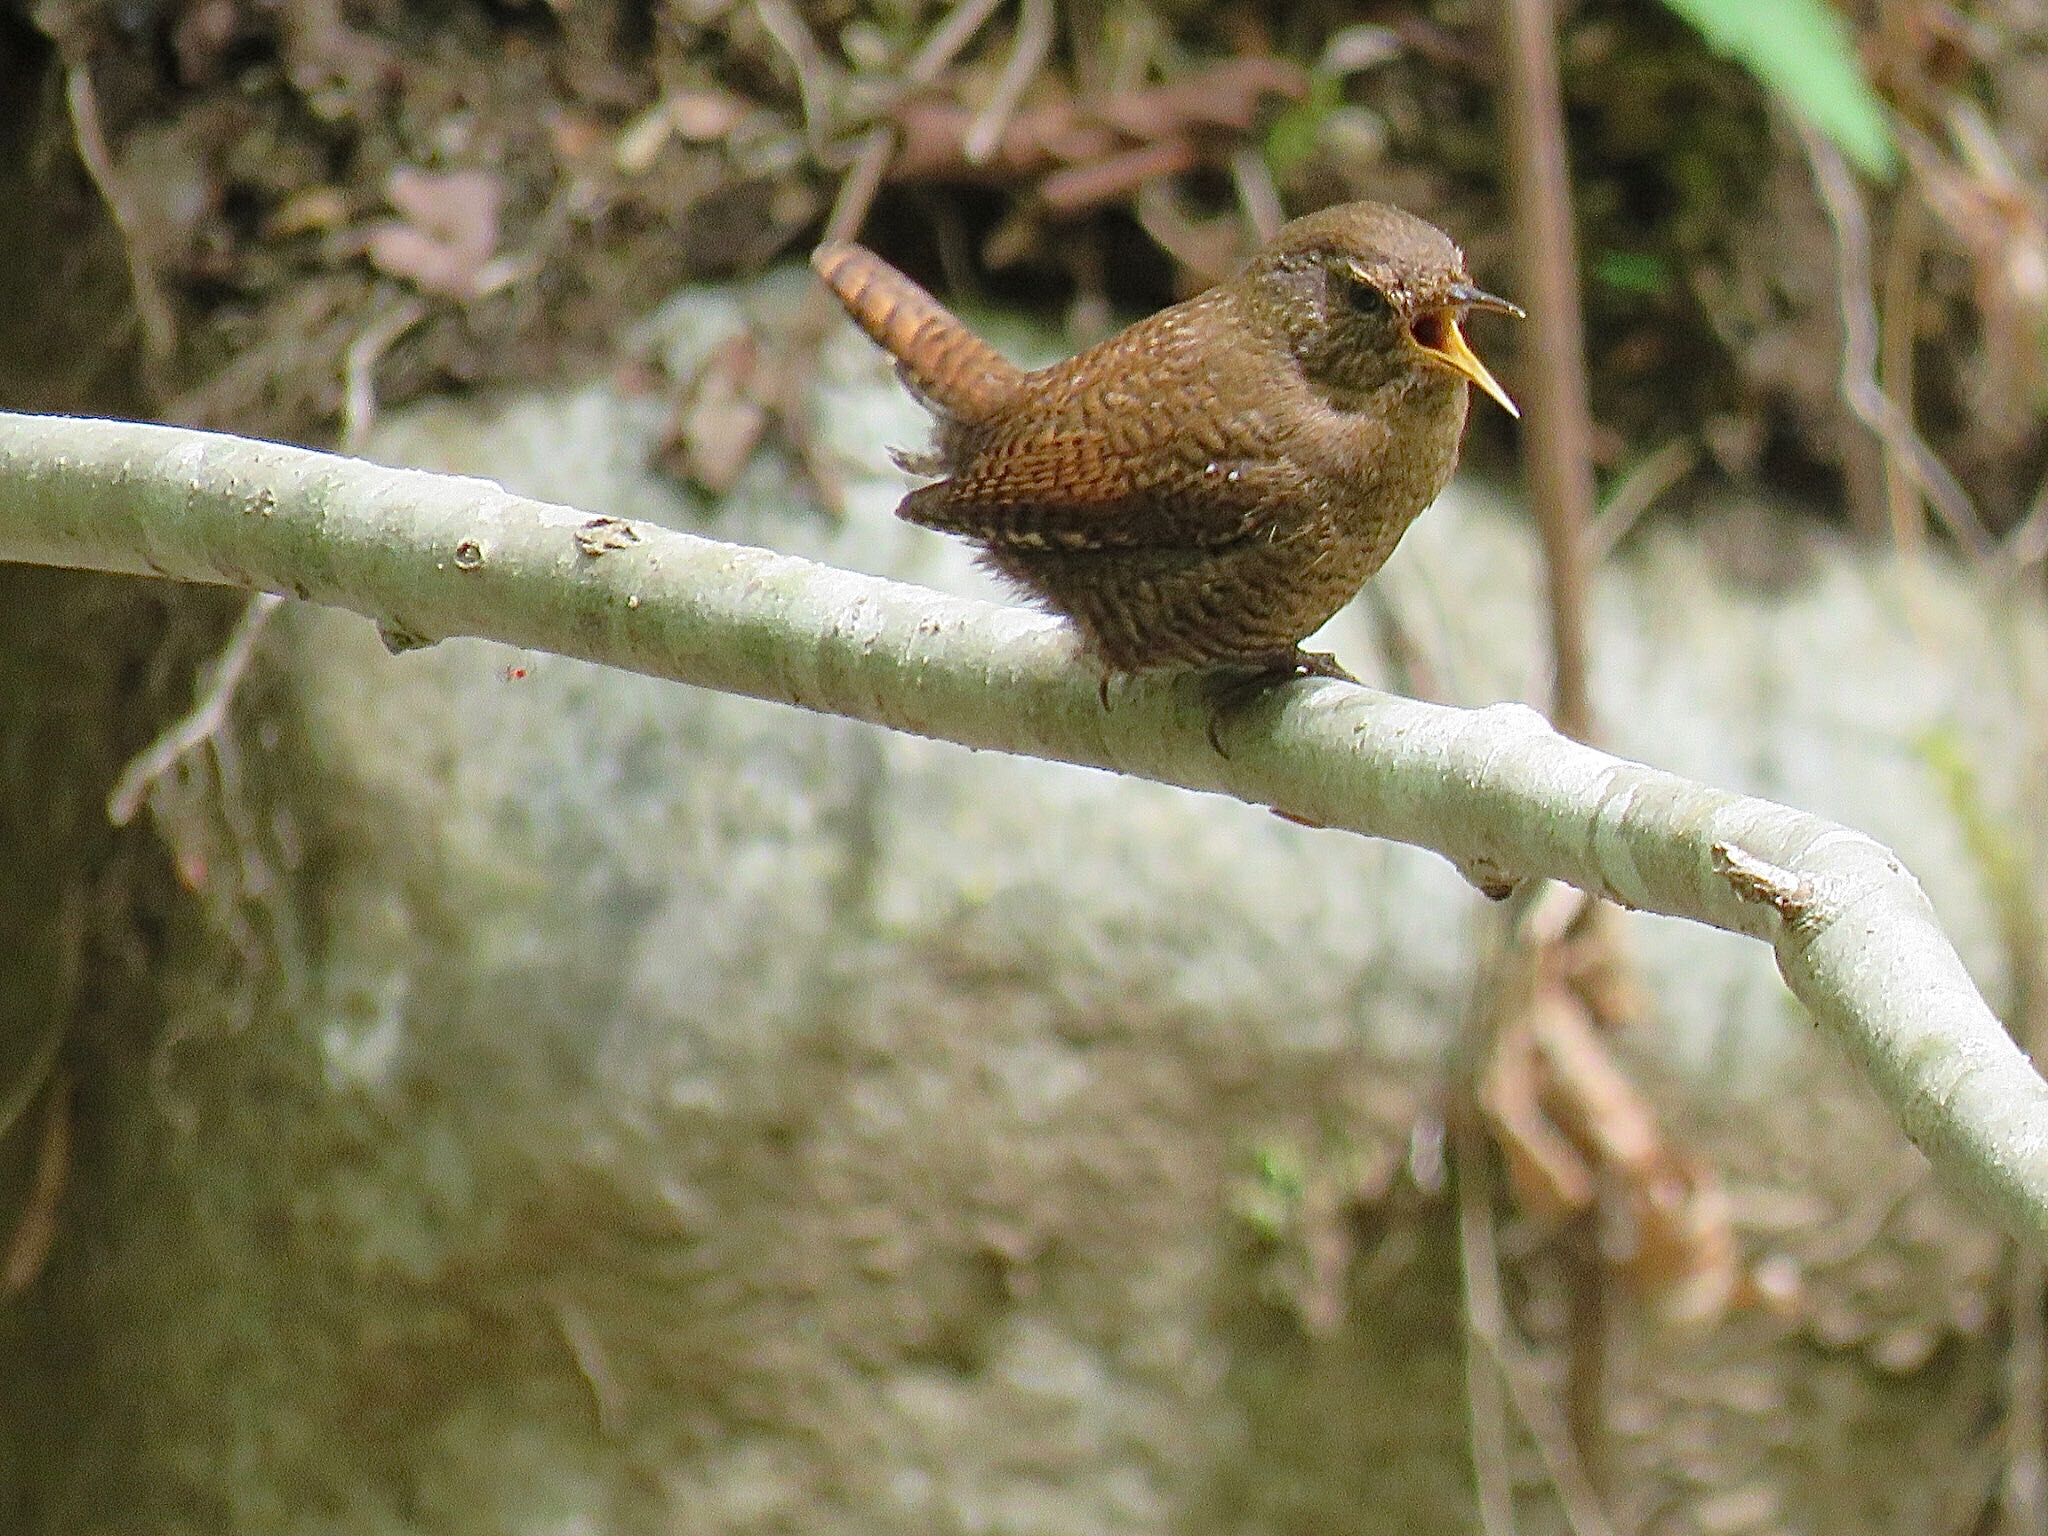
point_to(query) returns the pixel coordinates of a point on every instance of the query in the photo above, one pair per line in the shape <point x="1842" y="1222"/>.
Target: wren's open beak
<point x="1436" y="332"/>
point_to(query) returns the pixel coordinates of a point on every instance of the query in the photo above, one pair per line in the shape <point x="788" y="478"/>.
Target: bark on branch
<point x="1494" y="790"/>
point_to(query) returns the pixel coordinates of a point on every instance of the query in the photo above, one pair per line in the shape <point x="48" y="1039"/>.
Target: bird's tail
<point x="947" y="366"/>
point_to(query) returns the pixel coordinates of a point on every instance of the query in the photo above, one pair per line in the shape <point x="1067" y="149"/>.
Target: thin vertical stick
<point x="1895" y="369"/>
<point x="1558" y="463"/>
<point x="1486" y="1413"/>
<point x="1557" y="432"/>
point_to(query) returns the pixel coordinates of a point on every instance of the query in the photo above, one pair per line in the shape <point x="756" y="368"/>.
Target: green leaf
<point x="1633" y="272"/>
<point x="1802" y="51"/>
<point x="1292" y="138"/>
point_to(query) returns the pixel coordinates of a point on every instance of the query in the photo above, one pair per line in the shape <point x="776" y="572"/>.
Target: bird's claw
<point x="1240" y="691"/>
<point x="1317" y="664"/>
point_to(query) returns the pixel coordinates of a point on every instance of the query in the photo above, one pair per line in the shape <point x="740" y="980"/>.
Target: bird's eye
<point x="1361" y="297"/>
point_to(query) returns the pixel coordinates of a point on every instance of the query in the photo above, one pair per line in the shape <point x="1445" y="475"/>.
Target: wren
<point x="1208" y="486"/>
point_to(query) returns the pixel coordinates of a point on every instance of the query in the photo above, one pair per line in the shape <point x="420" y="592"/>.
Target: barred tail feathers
<point x="944" y="364"/>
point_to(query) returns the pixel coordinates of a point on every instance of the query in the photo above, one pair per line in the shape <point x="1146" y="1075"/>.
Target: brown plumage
<point x="1210" y="485"/>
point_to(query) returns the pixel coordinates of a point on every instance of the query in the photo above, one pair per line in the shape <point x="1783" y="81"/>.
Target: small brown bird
<point x="1210" y="485"/>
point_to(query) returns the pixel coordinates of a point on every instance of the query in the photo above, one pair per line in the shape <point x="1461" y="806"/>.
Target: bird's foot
<point x="1235" y="692"/>
<point x="1316" y="664"/>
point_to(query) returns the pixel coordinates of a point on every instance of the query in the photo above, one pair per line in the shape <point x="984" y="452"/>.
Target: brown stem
<point x="1895" y="366"/>
<point x="1556" y="445"/>
<point x="1557" y="461"/>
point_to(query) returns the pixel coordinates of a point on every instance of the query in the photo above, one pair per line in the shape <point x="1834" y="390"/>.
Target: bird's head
<point x="1366" y="296"/>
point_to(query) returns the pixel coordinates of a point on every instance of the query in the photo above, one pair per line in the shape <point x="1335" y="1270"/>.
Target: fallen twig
<point x="207" y="715"/>
<point x="1193" y="120"/>
<point x="1860" y="389"/>
<point x="1027" y="56"/>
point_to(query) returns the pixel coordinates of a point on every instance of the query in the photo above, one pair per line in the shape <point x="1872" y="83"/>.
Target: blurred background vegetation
<point x="265" y="201"/>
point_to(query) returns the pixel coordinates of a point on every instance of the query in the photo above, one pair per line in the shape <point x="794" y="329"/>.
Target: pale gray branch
<point x="1495" y="790"/>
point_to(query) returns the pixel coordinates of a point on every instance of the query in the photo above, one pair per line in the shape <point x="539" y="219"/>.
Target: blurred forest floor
<point x="269" y="217"/>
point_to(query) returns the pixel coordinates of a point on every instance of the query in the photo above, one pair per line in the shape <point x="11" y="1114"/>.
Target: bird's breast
<point x="1388" y="458"/>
